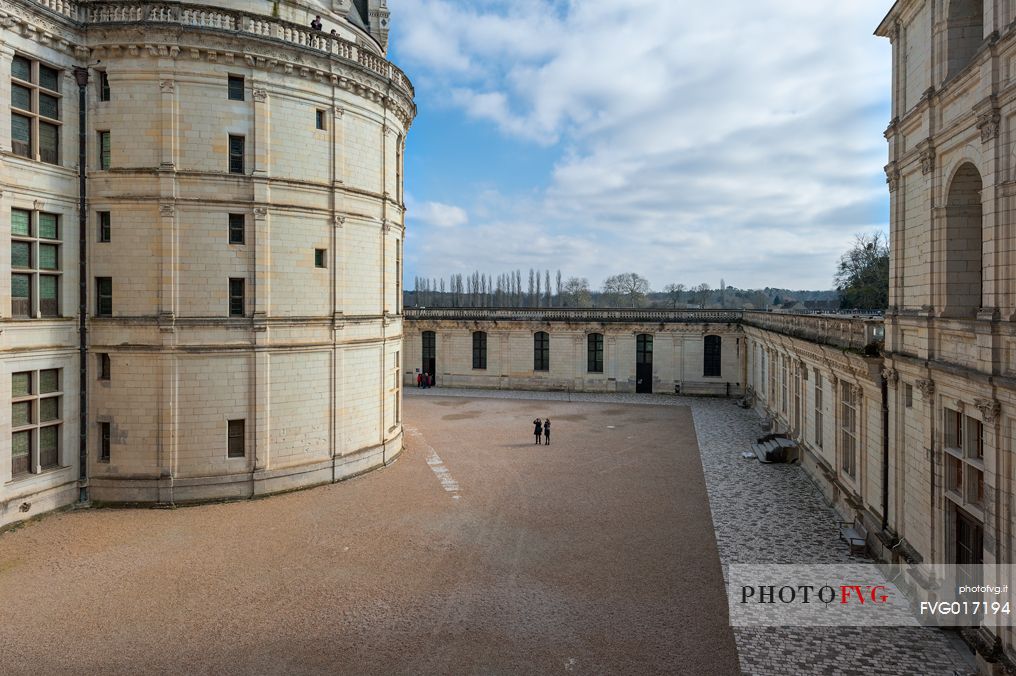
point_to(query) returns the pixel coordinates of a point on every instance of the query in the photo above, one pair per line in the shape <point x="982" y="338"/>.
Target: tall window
<point x="819" y="422"/>
<point x="541" y="351"/>
<point x="35" y="264"/>
<point x="35" y="110"/>
<point x="398" y="276"/>
<point x="964" y="449"/>
<point x="104" y="441"/>
<point x="105" y="367"/>
<point x="797" y="398"/>
<point x="104" y="296"/>
<point x="479" y="350"/>
<point x="104" y="93"/>
<point x="105" y="144"/>
<point x="236" y="149"/>
<point x="319" y="119"/>
<point x="235" y="88"/>
<point x="237" y="225"/>
<point x="320" y="258"/>
<point x="848" y="429"/>
<point x="105" y="226"/>
<point x="594" y="353"/>
<point x="712" y="352"/>
<point x="236" y="297"/>
<point x="235" y="438"/>
<point x="398" y="168"/>
<point x="35" y="421"/>
<point x="783" y="384"/>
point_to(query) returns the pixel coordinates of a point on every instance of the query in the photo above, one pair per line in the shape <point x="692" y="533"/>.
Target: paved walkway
<point x="773" y="514"/>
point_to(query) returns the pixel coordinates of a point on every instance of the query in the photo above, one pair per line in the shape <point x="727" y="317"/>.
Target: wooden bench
<point x="855" y="535"/>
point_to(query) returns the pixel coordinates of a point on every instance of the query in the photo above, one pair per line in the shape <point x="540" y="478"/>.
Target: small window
<point x="319" y="119"/>
<point x="235" y="439"/>
<point x="908" y="396"/>
<point x="479" y="350"/>
<point x="319" y="258"/>
<point x="237" y="225"/>
<point x="236" y="87"/>
<point x="104" y="296"/>
<point x="104" y="152"/>
<point x="103" y="86"/>
<point x="104" y="366"/>
<point x="236" y="151"/>
<point x="104" y="226"/>
<point x="104" y="441"/>
<point x="236" y="300"/>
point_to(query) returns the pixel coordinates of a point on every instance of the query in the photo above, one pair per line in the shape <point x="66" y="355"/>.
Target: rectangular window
<point x="104" y="366"/>
<point x="35" y="129"/>
<point x="712" y="352"/>
<point x="398" y="276"/>
<point x="103" y="86"/>
<point x="35" y="264"/>
<point x="235" y="441"/>
<point x="236" y="150"/>
<point x="105" y="223"/>
<point x="104" y="442"/>
<point x="319" y="258"/>
<point x="908" y="396"/>
<point x="236" y="300"/>
<point x="594" y="353"/>
<point x="541" y="351"/>
<point x="104" y="296"/>
<point x="237" y="226"/>
<point x="319" y="119"/>
<point x="848" y="430"/>
<point x="819" y="418"/>
<point x="35" y="421"/>
<point x="479" y="350"/>
<point x="104" y="150"/>
<point x="235" y="87"/>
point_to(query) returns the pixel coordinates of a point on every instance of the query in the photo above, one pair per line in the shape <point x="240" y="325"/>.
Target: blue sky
<point x="689" y="142"/>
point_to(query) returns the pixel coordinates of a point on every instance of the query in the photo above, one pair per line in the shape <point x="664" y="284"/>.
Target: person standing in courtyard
<point x="538" y="429"/>
<point x="546" y="431"/>
<point x="419" y="380"/>
<point x="431" y="383"/>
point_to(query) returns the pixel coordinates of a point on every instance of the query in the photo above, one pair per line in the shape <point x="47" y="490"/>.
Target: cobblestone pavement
<point x="774" y="514"/>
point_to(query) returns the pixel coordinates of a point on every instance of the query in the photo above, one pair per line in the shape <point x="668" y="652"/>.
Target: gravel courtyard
<point x="476" y="552"/>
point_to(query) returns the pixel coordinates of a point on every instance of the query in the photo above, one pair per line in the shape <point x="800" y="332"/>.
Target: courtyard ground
<point x="476" y="552"/>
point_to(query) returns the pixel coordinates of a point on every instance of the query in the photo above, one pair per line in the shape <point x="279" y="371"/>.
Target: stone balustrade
<point x="850" y="332"/>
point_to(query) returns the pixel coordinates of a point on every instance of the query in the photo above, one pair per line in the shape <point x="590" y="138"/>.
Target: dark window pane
<point x="49" y="143"/>
<point x="236" y="228"/>
<point x="48" y="258"/>
<point x="21" y="136"/>
<point x="49" y="409"/>
<point x="49" y="301"/>
<point x="21" y="68"/>
<point x="49" y="78"/>
<point x="104" y="93"/>
<point x="49" y="381"/>
<point x="319" y="258"/>
<point x="49" y="226"/>
<point x="711" y="357"/>
<point x="21" y="384"/>
<point x="49" y="446"/>
<point x="21" y="447"/>
<point x="541" y="351"/>
<point x="235" y="439"/>
<point x="236" y="147"/>
<point x="21" y="413"/>
<point x="105" y="366"/>
<point x="236" y="297"/>
<point x="49" y="106"/>
<point x="21" y="255"/>
<point x="21" y="222"/>
<point x="21" y="295"/>
<point x="594" y="353"/>
<point x="235" y="88"/>
<point x="104" y="150"/>
<point x="104" y="442"/>
<point x="104" y="296"/>
<point x="105" y="228"/>
<point x="320" y="119"/>
<point x="21" y="97"/>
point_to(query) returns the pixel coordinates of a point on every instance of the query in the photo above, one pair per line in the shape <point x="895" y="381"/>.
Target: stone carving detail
<point x="260" y="95"/>
<point x="927" y="388"/>
<point x="892" y="376"/>
<point x="892" y="176"/>
<point x="989" y="408"/>
<point x="927" y="160"/>
<point x="167" y="86"/>
<point x="340" y="220"/>
<point x="260" y="213"/>
<point x="338" y="111"/>
<point x="167" y="209"/>
<point x="988" y="123"/>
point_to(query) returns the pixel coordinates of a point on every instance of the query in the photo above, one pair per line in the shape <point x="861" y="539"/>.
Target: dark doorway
<point x="430" y="354"/>
<point x="644" y="363"/>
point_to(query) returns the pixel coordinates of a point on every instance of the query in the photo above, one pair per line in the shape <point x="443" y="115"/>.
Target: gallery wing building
<point x="203" y="220"/>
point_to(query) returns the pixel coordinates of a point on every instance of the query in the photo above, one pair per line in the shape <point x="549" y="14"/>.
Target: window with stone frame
<point x="35" y="110"/>
<point x="103" y="296"/>
<point x="479" y="350"/>
<point x="104" y="91"/>
<point x="541" y="351"/>
<point x="105" y="150"/>
<point x="819" y="419"/>
<point x="236" y="297"/>
<point x="848" y="429"/>
<point x="797" y="397"/>
<point x="594" y="353"/>
<point x="237" y="228"/>
<point x="105" y="229"/>
<point x="783" y="384"/>
<point x="964" y="455"/>
<point x="236" y="444"/>
<point x="36" y="403"/>
<point x="712" y="353"/>
<point x="237" y="145"/>
<point x="105" y="441"/>
<point x="35" y="264"/>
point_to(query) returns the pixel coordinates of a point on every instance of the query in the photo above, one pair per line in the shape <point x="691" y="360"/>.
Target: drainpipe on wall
<point x="885" y="453"/>
<point x="81" y="77"/>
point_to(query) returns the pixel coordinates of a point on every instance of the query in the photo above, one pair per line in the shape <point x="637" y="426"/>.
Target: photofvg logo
<point x="871" y="595"/>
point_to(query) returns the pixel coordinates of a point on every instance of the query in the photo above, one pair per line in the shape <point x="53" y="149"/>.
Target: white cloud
<point x="695" y="139"/>
<point x="439" y="215"/>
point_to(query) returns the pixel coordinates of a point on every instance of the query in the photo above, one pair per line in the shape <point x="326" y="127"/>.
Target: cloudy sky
<point x="686" y="141"/>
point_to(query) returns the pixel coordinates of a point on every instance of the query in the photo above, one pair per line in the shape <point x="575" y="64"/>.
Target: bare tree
<point x="674" y="292"/>
<point x="559" y="288"/>
<point x="628" y="286"/>
<point x="576" y="292"/>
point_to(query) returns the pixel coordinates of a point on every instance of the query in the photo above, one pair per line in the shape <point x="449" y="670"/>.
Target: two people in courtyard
<point x="425" y="380"/>
<point x="542" y="427"/>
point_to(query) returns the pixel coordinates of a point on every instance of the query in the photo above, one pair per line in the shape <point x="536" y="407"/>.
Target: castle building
<point x="203" y="213"/>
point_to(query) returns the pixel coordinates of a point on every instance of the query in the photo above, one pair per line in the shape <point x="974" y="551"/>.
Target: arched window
<point x="594" y="353"/>
<point x="712" y="352"/>
<point x="479" y="350"/>
<point x="964" y="34"/>
<point x="541" y="351"/>
<point x="962" y="244"/>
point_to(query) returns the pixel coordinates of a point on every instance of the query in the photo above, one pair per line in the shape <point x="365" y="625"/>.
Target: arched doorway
<point x="644" y="362"/>
<point x="962" y="250"/>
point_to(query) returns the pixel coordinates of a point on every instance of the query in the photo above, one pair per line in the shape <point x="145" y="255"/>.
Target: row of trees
<point x="862" y="281"/>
